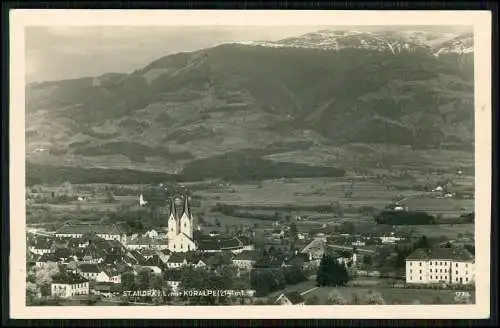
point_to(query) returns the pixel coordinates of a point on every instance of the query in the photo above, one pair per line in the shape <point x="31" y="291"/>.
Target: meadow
<point x="447" y="230"/>
<point x="389" y="295"/>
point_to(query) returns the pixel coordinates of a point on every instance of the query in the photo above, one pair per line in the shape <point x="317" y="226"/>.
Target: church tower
<point x="172" y="222"/>
<point x="180" y="227"/>
<point x="186" y="220"/>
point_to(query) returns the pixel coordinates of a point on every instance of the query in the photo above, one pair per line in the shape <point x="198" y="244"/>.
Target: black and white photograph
<point x="253" y="165"/>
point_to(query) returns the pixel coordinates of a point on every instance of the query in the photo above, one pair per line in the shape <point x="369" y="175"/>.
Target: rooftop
<point x="442" y="253"/>
<point x="247" y="256"/>
<point x="89" y="268"/>
<point x="68" y="278"/>
<point x="90" y="228"/>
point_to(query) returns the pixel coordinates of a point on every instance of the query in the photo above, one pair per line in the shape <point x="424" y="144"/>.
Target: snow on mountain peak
<point x="393" y="41"/>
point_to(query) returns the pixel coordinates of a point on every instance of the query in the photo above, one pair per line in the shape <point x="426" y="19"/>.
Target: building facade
<point x="67" y="285"/>
<point x="440" y="266"/>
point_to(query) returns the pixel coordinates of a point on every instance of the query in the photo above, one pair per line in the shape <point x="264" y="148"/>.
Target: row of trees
<point x="404" y="218"/>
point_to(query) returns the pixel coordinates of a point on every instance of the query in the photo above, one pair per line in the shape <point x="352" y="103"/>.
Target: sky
<point x="56" y="53"/>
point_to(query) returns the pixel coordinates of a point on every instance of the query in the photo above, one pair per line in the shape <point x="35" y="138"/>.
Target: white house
<point x="277" y="233"/>
<point x="358" y="243"/>
<point x="142" y="202"/>
<point x="173" y="278"/>
<point x="245" y="260"/>
<point x="103" y="276"/>
<point x="389" y="239"/>
<point x="151" y="234"/>
<point x="441" y="265"/>
<point x="136" y="242"/>
<point x="290" y="298"/>
<point x="68" y="284"/>
<point x="47" y="259"/>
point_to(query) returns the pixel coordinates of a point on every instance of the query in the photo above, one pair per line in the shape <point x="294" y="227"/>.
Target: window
<point x="420" y="263"/>
<point x="456" y="279"/>
<point x="420" y="271"/>
<point x="174" y="246"/>
<point x="181" y="246"/>
<point x="411" y="263"/>
<point x="185" y="225"/>
<point x="440" y="270"/>
<point x="466" y="265"/>
<point x="456" y="265"/>
<point x="420" y="278"/>
<point x="456" y="272"/>
<point x="466" y="279"/>
<point x="466" y="272"/>
<point x="411" y="271"/>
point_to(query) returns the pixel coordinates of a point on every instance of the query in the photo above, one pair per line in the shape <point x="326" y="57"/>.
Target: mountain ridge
<point x="189" y="106"/>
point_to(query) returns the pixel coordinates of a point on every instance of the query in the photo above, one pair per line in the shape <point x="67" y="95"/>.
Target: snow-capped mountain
<point x="387" y="41"/>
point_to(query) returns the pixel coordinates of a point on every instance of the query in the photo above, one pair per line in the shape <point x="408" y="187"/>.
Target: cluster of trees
<point x="41" y="277"/>
<point x="38" y="174"/>
<point x="56" y="199"/>
<point x="268" y="280"/>
<point x="468" y="217"/>
<point x="199" y="279"/>
<point x="331" y="272"/>
<point x="404" y="218"/>
<point x="249" y="211"/>
<point x="394" y="257"/>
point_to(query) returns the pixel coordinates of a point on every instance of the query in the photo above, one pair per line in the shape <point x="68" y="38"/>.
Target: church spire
<point x="172" y="208"/>
<point x="186" y="206"/>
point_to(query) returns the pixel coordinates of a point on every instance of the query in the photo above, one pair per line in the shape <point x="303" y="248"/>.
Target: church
<point x="180" y="227"/>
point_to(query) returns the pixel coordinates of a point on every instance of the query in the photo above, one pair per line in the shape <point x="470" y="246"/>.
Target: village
<point x="115" y="263"/>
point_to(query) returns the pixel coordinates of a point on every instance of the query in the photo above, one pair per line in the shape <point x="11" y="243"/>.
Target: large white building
<point x="441" y="265"/>
<point x="104" y="231"/>
<point x="180" y="227"/>
<point x="69" y="284"/>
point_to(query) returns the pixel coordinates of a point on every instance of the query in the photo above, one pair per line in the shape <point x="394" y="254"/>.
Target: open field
<point x="390" y="295"/>
<point x="97" y="204"/>
<point x="307" y="191"/>
<point x="443" y="230"/>
<point x="447" y="207"/>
